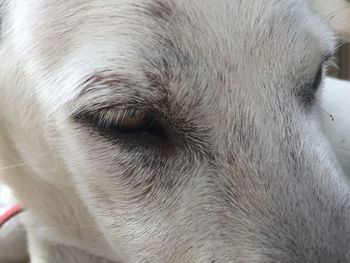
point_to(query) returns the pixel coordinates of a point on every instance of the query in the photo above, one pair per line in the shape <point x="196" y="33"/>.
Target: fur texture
<point x="242" y="172"/>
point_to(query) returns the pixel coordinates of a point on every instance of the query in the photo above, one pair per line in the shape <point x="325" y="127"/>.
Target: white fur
<point x="90" y="199"/>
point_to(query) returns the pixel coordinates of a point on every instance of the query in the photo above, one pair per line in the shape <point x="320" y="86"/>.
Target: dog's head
<point x="189" y="128"/>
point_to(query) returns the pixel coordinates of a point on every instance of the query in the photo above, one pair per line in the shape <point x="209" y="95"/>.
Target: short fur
<point x="244" y="174"/>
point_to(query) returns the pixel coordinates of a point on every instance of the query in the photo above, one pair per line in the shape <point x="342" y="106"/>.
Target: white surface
<point x="6" y="198"/>
<point x="336" y="101"/>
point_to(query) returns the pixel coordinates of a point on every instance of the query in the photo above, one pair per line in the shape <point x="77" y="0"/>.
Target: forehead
<point x="154" y="38"/>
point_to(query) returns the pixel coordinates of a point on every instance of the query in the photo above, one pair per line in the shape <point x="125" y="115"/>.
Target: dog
<point x="171" y="131"/>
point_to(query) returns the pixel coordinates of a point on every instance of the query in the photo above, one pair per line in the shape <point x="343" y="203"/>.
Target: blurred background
<point x="343" y="62"/>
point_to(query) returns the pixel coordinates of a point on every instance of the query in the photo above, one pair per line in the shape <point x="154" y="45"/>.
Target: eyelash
<point x="110" y="120"/>
<point x="110" y="123"/>
<point x="307" y="93"/>
<point x="318" y="79"/>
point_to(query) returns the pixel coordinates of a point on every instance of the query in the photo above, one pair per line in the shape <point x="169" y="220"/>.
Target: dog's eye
<point x="127" y="121"/>
<point x="308" y="92"/>
<point x="318" y="79"/>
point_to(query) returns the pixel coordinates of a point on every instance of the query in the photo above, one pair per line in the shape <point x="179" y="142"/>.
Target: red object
<point x="9" y="214"/>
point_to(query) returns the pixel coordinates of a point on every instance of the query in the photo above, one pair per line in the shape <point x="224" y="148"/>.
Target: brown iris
<point x="133" y="120"/>
<point x="125" y="121"/>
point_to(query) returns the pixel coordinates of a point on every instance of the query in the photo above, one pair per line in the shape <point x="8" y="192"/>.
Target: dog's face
<point x="189" y="128"/>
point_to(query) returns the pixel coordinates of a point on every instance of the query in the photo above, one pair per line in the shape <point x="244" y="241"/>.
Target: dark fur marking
<point x="160" y="10"/>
